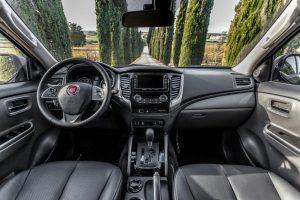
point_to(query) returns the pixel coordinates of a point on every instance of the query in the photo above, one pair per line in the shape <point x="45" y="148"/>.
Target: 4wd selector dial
<point x="137" y="98"/>
<point x="163" y="98"/>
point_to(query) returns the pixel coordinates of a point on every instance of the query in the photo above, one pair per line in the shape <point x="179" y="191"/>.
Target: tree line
<point x="184" y="44"/>
<point x="117" y="45"/>
<point x="252" y="20"/>
<point x="46" y="19"/>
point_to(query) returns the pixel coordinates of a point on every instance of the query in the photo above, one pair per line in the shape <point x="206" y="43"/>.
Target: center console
<point x="152" y="99"/>
<point x="146" y="165"/>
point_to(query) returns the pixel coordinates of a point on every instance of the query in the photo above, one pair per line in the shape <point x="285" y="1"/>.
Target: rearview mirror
<point x="148" y="18"/>
<point x="287" y="68"/>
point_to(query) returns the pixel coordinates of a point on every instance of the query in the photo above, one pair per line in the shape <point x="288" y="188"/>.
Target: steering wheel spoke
<point x="51" y="93"/>
<point x="71" y="118"/>
<point x="98" y="93"/>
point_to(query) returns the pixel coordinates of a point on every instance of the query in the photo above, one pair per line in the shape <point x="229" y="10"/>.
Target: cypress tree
<point x="162" y="43"/>
<point x="168" y="45"/>
<point x="195" y="31"/>
<point x="149" y="37"/>
<point x="103" y="30"/>
<point x="115" y="34"/>
<point x="179" y="28"/>
<point x="127" y="46"/>
<point x="46" y="19"/>
<point x="248" y="24"/>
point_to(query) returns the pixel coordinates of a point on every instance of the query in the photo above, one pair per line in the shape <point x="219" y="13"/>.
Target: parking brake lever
<point x="156" y="186"/>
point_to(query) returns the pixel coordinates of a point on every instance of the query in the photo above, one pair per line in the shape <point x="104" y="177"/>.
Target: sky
<point x="82" y="12"/>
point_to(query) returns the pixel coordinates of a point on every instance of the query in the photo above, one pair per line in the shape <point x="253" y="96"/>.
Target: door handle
<point x="279" y="107"/>
<point x="18" y="105"/>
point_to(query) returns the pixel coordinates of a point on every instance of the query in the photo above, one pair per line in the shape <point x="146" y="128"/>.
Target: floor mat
<point x="93" y="145"/>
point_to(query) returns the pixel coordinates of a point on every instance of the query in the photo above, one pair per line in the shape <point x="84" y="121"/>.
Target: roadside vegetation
<point x="192" y="44"/>
<point x="47" y="21"/>
<point x="184" y="44"/>
<point x="117" y="45"/>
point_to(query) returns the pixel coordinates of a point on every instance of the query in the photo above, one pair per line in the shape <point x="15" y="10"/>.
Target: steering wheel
<point x="74" y="98"/>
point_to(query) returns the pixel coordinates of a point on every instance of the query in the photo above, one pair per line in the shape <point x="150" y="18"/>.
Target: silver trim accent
<point x="176" y="102"/>
<point x="278" y="139"/>
<point x="120" y="95"/>
<point x="17" y="138"/>
<point x="244" y="86"/>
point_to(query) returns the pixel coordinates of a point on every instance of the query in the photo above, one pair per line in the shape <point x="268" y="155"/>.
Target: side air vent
<point x="243" y="82"/>
<point x="125" y="86"/>
<point x="175" y="86"/>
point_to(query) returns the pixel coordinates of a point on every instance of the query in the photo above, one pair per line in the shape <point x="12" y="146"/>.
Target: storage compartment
<point x="213" y="118"/>
<point x="143" y="188"/>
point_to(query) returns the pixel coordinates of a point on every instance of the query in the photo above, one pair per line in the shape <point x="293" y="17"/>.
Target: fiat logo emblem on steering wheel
<point x="73" y="89"/>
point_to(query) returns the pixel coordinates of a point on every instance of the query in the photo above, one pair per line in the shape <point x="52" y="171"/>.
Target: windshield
<point x="205" y="32"/>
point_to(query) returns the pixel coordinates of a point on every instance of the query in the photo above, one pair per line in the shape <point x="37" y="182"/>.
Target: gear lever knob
<point x="149" y="136"/>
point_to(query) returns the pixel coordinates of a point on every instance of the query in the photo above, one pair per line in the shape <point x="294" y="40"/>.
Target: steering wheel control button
<point x="98" y="94"/>
<point x="134" y="186"/>
<point x="73" y="89"/>
<point x="50" y="93"/>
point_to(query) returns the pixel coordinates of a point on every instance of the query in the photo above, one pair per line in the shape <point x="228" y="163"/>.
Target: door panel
<point x="21" y="123"/>
<point x="275" y="122"/>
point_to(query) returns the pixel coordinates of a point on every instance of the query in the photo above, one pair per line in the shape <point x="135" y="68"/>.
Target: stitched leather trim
<point x="180" y="170"/>
<point x="227" y="180"/>
<point x="74" y="168"/>
<point x="271" y="180"/>
<point x="115" y="196"/>
<point x="105" y="184"/>
<point x="23" y="184"/>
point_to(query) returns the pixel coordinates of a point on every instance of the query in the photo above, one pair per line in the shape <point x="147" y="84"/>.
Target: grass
<point x="90" y="51"/>
<point x="214" y="53"/>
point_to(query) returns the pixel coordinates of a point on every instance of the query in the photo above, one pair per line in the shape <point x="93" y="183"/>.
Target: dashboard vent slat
<point x="125" y="86"/>
<point x="243" y="81"/>
<point x="175" y="86"/>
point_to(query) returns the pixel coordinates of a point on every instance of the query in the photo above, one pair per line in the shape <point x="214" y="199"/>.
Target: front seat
<point x="226" y="182"/>
<point x="65" y="181"/>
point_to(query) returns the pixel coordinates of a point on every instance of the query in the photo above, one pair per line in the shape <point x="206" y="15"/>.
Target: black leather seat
<point x="230" y="182"/>
<point x="65" y="181"/>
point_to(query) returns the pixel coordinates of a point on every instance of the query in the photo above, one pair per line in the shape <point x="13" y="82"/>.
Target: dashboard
<point x="166" y="97"/>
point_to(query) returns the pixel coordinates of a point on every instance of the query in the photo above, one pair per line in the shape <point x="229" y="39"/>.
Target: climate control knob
<point x="163" y="98"/>
<point x="137" y="98"/>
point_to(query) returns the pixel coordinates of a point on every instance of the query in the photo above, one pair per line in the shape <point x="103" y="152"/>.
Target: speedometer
<point x="85" y="80"/>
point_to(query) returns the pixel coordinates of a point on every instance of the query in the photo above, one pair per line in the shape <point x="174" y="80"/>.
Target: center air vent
<point x="125" y="86"/>
<point x="243" y="81"/>
<point x="175" y="86"/>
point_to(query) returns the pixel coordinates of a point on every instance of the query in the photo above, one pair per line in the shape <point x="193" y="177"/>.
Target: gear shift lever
<point x="149" y="137"/>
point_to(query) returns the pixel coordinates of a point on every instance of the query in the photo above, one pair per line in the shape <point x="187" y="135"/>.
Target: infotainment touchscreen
<point x="150" y="82"/>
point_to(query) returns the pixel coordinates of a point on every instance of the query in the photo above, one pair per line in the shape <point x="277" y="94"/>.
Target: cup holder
<point x="135" y="186"/>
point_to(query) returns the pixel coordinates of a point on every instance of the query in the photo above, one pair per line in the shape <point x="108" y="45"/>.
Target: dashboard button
<point x="163" y="98"/>
<point x="137" y="98"/>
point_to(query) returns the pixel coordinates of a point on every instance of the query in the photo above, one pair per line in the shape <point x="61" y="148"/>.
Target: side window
<point x="12" y="62"/>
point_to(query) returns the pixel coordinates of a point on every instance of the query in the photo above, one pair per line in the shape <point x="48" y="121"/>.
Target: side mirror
<point x="287" y="68"/>
<point x="10" y="66"/>
<point x="148" y="18"/>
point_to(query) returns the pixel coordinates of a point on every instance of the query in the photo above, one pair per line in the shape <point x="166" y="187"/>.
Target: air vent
<point x="125" y="86"/>
<point x="242" y="82"/>
<point x="175" y="86"/>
